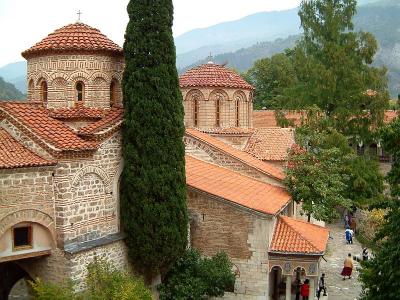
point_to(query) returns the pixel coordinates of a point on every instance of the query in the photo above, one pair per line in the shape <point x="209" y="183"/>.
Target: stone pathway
<point x="339" y="289"/>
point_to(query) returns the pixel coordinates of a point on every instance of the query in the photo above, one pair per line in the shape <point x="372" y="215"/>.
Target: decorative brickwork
<point x="62" y="72"/>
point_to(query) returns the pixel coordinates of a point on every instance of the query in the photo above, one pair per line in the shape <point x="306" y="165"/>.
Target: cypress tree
<point x="153" y="187"/>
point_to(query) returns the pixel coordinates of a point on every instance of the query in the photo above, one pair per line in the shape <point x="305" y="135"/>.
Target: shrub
<point x="50" y="291"/>
<point x="196" y="277"/>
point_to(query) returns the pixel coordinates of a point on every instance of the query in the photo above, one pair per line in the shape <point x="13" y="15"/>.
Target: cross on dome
<point x="79" y="16"/>
<point x="210" y="59"/>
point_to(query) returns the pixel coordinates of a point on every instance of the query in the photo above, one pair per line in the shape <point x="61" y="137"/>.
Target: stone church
<point x="60" y="166"/>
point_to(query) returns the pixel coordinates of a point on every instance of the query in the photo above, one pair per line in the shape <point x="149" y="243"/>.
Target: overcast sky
<point x="25" y="22"/>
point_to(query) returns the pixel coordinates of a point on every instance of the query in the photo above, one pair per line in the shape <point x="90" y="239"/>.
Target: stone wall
<point x="235" y="108"/>
<point x="87" y="204"/>
<point x="62" y="72"/>
<point x="220" y="226"/>
<point x="206" y="152"/>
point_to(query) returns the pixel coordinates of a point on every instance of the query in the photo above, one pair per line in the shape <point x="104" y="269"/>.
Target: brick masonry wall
<point x="205" y="152"/>
<point x="62" y="72"/>
<point x="26" y="194"/>
<point x="219" y="226"/>
<point x="86" y="200"/>
<point x="206" y="98"/>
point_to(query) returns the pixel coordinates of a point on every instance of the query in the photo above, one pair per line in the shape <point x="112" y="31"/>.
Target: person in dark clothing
<point x="365" y="254"/>
<point x="321" y="286"/>
<point x="297" y="288"/>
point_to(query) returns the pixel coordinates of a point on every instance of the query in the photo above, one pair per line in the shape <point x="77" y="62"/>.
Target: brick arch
<point x="55" y="76"/>
<point x="239" y="95"/>
<point x="59" y="82"/>
<point x="99" y="81"/>
<point x="27" y="215"/>
<point x="102" y="75"/>
<point x="39" y="76"/>
<point x="92" y="170"/>
<point x="215" y="92"/>
<point x="117" y="76"/>
<point x="192" y="94"/>
<point x="79" y="76"/>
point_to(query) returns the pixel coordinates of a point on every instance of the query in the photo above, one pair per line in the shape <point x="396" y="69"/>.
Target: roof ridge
<point x="193" y="131"/>
<point x="283" y="218"/>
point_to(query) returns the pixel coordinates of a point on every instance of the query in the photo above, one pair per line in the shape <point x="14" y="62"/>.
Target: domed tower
<point x="216" y="97"/>
<point x="75" y="65"/>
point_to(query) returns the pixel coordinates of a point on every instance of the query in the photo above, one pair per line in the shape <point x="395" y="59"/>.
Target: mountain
<point x="379" y="17"/>
<point x="15" y="73"/>
<point x="9" y="92"/>
<point x="231" y="36"/>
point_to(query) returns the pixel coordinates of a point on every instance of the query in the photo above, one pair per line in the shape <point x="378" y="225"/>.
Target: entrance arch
<point x="11" y="273"/>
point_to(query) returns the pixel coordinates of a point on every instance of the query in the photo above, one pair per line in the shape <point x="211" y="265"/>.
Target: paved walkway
<point x="339" y="289"/>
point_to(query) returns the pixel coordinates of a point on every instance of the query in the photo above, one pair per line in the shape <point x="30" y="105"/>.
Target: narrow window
<point x="112" y="93"/>
<point x="80" y="91"/>
<point x="43" y="91"/>
<point x="217" y="112"/>
<point x="22" y="238"/>
<point x="31" y="88"/>
<point x="196" y="112"/>
<point x="237" y="113"/>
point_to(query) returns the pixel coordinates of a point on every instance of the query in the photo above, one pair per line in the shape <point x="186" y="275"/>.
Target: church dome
<point x="74" y="37"/>
<point x="213" y="75"/>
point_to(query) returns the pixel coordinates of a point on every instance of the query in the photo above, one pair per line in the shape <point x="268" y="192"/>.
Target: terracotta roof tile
<point x="79" y="112"/>
<point x="15" y="155"/>
<point x="271" y="143"/>
<point x="229" y="131"/>
<point x="298" y="237"/>
<point x="213" y="75"/>
<point x="266" y="118"/>
<point x="240" y="155"/>
<point x="74" y="37"/>
<point x="112" y="118"/>
<point x="35" y="119"/>
<point x="235" y="187"/>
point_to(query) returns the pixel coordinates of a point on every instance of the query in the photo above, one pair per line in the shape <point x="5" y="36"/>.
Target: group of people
<point x="303" y="289"/>
<point x="350" y="225"/>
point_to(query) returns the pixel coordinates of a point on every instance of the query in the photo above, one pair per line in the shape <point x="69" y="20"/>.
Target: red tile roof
<point x="246" y="158"/>
<point x="293" y="236"/>
<point x="213" y="75"/>
<point x="113" y="118"/>
<point x="234" y="187"/>
<point x="229" y="131"/>
<point x="74" y="37"/>
<point x="15" y="155"/>
<point x="267" y="118"/>
<point x="34" y="120"/>
<point x="79" y="112"/>
<point x="271" y="143"/>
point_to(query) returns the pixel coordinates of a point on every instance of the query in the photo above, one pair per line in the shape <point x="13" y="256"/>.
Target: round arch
<point x="14" y="274"/>
<point x="95" y="170"/>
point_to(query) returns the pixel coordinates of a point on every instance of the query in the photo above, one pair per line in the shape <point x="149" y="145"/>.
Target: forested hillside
<point x="9" y="92"/>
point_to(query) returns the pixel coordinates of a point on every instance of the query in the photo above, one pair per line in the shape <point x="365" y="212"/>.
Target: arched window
<point x="217" y="112"/>
<point x="80" y="91"/>
<point x="43" y="91"/>
<point x="196" y="112"/>
<point x="237" y="113"/>
<point x="31" y="88"/>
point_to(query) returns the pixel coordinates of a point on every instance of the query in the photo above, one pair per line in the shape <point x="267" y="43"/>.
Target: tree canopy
<point x="153" y="188"/>
<point x="380" y="276"/>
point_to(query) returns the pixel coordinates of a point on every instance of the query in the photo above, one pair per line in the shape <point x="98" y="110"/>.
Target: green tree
<point x="270" y="77"/>
<point x="380" y="276"/>
<point x="324" y="172"/>
<point x="153" y="188"/>
<point x="195" y="277"/>
<point x="333" y="67"/>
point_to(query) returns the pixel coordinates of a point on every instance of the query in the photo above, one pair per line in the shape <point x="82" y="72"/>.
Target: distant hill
<point x="379" y="17"/>
<point x="15" y="73"/>
<point x="9" y="92"/>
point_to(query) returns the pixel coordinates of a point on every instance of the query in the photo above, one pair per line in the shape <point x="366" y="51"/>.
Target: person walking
<point x="347" y="267"/>
<point x="305" y="290"/>
<point x="321" y="286"/>
<point x="348" y="235"/>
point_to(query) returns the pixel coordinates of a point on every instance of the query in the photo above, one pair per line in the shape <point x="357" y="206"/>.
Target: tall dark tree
<point x="333" y="68"/>
<point x="153" y="189"/>
<point x="380" y="276"/>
